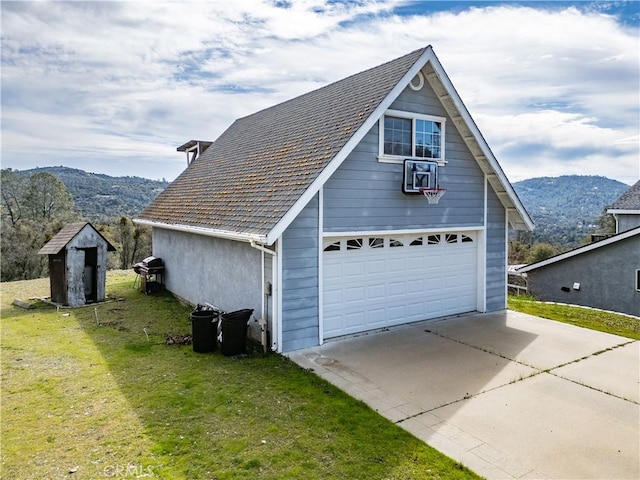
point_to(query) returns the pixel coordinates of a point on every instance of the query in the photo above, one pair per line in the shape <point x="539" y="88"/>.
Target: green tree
<point x="19" y="245"/>
<point x="135" y="242"/>
<point x="606" y="222"/>
<point x="33" y="211"/>
<point x="132" y="242"/>
<point x="13" y="189"/>
<point x="518" y="252"/>
<point x="541" y="251"/>
<point x="47" y="198"/>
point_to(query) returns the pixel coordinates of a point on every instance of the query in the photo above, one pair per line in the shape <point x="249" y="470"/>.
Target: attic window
<point x="411" y="135"/>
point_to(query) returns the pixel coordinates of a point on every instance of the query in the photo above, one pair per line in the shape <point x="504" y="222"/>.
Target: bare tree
<point x="13" y="188"/>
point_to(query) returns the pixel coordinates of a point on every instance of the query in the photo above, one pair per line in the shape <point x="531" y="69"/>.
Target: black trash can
<point x="204" y="327"/>
<point x="233" y="326"/>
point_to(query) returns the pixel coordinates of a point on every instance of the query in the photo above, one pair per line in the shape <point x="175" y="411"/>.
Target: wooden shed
<point x="77" y="264"/>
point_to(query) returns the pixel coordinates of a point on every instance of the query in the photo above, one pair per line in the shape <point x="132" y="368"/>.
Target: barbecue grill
<point x="150" y="274"/>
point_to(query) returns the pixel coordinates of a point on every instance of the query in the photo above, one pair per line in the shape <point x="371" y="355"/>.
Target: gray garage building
<point x="604" y="274"/>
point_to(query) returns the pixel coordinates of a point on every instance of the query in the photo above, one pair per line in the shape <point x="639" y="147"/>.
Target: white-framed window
<point x="411" y="135"/>
<point x="638" y="280"/>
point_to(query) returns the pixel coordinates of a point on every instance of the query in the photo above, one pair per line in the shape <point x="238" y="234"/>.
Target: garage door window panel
<point x="416" y="242"/>
<point x="376" y="242"/>
<point x="354" y="244"/>
<point x="433" y="239"/>
<point x="332" y="247"/>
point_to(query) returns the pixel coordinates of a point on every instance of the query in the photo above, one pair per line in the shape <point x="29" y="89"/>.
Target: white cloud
<point x="98" y="82"/>
<point x="552" y="143"/>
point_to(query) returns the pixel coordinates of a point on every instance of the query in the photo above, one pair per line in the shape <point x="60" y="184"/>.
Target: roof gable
<point x="65" y="235"/>
<point x="248" y="179"/>
<point x="628" y="201"/>
<point x="260" y="173"/>
<point x="580" y="250"/>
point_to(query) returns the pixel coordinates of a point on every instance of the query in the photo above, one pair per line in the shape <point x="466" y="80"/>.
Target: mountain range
<point x="565" y="209"/>
<point x="100" y="197"/>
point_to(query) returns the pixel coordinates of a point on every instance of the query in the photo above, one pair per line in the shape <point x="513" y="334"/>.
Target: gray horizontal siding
<point x="627" y="222"/>
<point x="300" y="302"/>
<point x="364" y="194"/>
<point x="496" y="254"/>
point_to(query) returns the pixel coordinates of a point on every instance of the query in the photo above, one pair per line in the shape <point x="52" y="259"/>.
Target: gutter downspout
<point x="265" y="297"/>
<point x="262" y="249"/>
<point x="228" y="235"/>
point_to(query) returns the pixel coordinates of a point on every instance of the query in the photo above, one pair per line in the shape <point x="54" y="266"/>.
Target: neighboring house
<point x="604" y="274"/>
<point x="309" y="212"/>
<point x="77" y="264"/>
<point x="626" y="210"/>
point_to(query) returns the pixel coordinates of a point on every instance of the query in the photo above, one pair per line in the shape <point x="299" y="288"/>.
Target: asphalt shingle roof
<point x="64" y="236"/>
<point x="255" y="171"/>
<point x="629" y="200"/>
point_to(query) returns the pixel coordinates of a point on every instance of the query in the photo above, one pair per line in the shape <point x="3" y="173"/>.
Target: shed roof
<point x="259" y="174"/>
<point x="65" y="235"/>
<point x="629" y="200"/>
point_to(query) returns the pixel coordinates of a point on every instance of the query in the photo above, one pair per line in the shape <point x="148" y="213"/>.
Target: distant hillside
<point x="566" y="209"/>
<point x="100" y="197"/>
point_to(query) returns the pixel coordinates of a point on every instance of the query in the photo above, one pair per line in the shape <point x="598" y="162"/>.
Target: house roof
<point x="258" y="175"/>
<point x="65" y="235"/>
<point x="629" y="201"/>
<point x="580" y="250"/>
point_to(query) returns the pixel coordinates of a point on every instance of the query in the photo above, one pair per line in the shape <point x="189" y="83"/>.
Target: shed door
<point x="58" y="277"/>
<point x="90" y="276"/>
<point x="374" y="282"/>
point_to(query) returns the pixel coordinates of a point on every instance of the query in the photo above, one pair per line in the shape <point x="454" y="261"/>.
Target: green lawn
<point x="609" y="322"/>
<point x="95" y="393"/>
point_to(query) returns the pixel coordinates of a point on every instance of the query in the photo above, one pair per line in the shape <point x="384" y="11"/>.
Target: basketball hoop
<point x="433" y="194"/>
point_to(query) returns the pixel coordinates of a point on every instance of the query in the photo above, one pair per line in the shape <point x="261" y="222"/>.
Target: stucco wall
<point x="203" y="269"/>
<point x="606" y="276"/>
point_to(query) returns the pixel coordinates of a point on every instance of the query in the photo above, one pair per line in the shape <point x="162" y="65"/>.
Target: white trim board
<point x="374" y="233"/>
<point x="208" y="232"/>
<point x="622" y="211"/>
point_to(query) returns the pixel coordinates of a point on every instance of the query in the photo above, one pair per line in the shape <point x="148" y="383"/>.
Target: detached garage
<point x="368" y="203"/>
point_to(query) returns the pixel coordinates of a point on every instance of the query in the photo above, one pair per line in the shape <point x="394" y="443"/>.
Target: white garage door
<point x="372" y="282"/>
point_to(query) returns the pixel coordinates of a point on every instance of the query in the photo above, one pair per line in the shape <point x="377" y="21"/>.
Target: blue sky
<point x="115" y="87"/>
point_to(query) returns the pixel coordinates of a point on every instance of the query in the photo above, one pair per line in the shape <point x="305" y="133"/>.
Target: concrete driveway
<point x="509" y="395"/>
